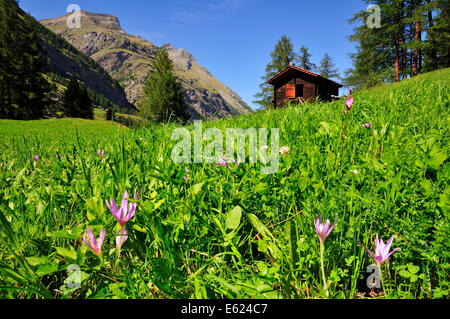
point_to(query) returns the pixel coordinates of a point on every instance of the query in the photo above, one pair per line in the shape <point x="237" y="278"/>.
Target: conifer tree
<point x="327" y="68"/>
<point x="282" y="56"/>
<point x="163" y="98"/>
<point x="373" y="62"/>
<point x="399" y="49"/>
<point x="86" y="109"/>
<point x="304" y="60"/>
<point x="23" y="87"/>
<point x="76" y="101"/>
<point x="442" y="33"/>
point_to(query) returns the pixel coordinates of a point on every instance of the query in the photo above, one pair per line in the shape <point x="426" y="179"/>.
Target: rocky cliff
<point x="66" y="61"/>
<point x="129" y="59"/>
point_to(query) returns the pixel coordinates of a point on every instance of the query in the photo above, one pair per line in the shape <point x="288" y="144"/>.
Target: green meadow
<point x="231" y="232"/>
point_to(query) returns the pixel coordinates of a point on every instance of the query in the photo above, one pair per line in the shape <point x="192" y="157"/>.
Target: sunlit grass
<point x="234" y="233"/>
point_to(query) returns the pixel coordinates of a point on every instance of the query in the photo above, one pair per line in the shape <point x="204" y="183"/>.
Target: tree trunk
<point x="397" y="45"/>
<point x="418" y="51"/>
<point x="402" y="42"/>
<point x="411" y="51"/>
<point x="397" y="58"/>
<point x="431" y="38"/>
<point x="415" y="31"/>
<point x="417" y="34"/>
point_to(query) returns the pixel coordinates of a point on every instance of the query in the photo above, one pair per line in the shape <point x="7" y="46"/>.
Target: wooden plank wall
<point x="309" y="90"/>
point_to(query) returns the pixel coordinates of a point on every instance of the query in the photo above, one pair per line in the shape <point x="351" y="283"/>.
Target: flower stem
<point x="322" y="246"/>
<point x="381" y="279"/>
<point x="343" y="137"/>
<point x="116" y="266"/>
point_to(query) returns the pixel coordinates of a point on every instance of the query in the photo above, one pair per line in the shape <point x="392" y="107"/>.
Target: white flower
<point x="285" y="150"/>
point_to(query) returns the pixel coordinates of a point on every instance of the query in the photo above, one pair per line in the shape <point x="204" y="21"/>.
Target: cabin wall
<point x="313" y="87"/>
<point x="327" y="90"/>
<point x="309" y="90"/>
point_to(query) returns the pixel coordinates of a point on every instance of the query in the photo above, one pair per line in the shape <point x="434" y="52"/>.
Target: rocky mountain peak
<point x="106" y="21"/>
<point x="180" y="57"/>
<point x="130" y="59"/>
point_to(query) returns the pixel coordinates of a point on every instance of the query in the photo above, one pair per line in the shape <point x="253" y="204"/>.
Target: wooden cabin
<point x="295" y="84"/>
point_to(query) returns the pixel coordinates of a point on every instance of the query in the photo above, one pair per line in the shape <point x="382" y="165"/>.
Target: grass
<point x="234" y="233"/>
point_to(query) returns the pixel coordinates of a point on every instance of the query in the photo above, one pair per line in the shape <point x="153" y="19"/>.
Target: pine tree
<point x="431" y="50"/>
<point x="163" y="98"/>
<point x="85" y="106"/>
<point x="23" y="87"/>
<point x="398" y="49"/>
<point x="76" y="101"/>
<point x="374" y="61"/>
<point x="327" y="68"/>
<point x="442" y="33"/>
<point x="70" y="107"/>
<point x="282" y="56"/>
<point x="304" y="61"/>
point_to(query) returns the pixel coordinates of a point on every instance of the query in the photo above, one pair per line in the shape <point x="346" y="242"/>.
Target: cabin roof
<point x="292" y="69"/>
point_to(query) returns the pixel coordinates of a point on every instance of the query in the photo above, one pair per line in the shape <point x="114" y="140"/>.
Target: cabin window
<point x="299" y="90"/>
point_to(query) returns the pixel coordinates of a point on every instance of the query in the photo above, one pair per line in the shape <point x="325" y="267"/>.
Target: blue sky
<point x="231" y="38"/>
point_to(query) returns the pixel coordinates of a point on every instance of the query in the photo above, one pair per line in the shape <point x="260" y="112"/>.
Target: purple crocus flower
<point x="101" y="153"/>
<point x="126" y="212"/>
<point x="323" y="230"/>
<point x="349" y="102"/>
<point x="186" y="176"/>
<point x="223" y="161"/>
<point x="382" y="250"/>
<point x="35" y="158"/>
<point x="93" y="244"/>
<point x="122" y="236"/>
<point x="137" y="195"/>
<point x="367" y="125"/>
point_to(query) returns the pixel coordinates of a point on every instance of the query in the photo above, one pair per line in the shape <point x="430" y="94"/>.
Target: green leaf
<point x="262" y="246"/>
<point x="11" y="273"/>
<point x="63" y="234"/>
<point x="426" y="187"/>
<point x="404" y="273"/>
<point x="234" y="218"/>
<point x="70" y="254"/>
<point x="140" y="229"/>
<point x="259" y="226"/>
<point x="324" y="128"/>
<point x="194" y="190"/>
<point x="36" y="261"/>
<point x="413" y="269"/>
<point x="46" y="269"/>
<point x="261" y="188"/>
<point x="437" y="158"/>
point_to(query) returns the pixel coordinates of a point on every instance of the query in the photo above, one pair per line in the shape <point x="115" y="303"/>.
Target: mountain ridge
<point x="64" y="61"/>
<point x="128" y="59"/>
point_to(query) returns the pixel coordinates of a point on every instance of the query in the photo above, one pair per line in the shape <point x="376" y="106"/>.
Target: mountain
<point x="128" y="59"/>
<point x="64" y="61"/>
